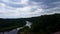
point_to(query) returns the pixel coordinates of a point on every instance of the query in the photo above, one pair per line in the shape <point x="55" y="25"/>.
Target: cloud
<point x="55" y="9"/>
<point x="27" y="8"/>
<point x="16" y="1"/>
<point x="8" y="11"/>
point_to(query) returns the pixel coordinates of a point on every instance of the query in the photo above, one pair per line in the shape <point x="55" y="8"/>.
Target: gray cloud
<point x="28" y="8"/>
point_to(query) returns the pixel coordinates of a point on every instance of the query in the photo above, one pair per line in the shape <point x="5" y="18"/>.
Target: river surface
<point x="14" y="31"/>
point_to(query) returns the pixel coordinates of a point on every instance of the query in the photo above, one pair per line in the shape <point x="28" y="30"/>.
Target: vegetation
<point x="9" y="24"/>
<point x="24" y="30"/>
<point x="45" y="24"/>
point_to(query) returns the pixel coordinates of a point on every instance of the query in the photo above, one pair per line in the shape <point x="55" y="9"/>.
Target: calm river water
<point x="14" y="31"/>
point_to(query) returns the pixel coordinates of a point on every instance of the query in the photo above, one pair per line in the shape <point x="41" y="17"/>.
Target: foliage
<point x="45" y="24"/>
<point x="9" y="24"/>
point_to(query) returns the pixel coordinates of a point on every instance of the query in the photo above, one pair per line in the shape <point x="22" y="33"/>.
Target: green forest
<point x="44" y="24"/>
<point x="9" y="24"/>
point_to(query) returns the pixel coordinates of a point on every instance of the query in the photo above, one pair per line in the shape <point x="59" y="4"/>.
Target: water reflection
<point x="28" y="24"/>
<point x="14" y="31"/>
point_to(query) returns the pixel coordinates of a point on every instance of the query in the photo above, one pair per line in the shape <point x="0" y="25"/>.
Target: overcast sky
<point x="28" y="8"/>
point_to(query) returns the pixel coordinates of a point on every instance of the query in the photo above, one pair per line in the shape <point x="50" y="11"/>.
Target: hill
<point x="45" y="24"/>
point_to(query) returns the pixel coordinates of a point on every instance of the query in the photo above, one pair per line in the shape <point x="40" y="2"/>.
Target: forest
<point x="44" y="24"/>
<point x="9" y="24"/>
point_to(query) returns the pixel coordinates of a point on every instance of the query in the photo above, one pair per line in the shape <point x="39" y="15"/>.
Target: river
<point x="14" y="31"/>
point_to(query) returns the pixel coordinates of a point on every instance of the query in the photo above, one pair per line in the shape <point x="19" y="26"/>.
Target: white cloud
<point x="16" y="1"/>
<point x="30" y="10"/>
<point x="27" y="11"/>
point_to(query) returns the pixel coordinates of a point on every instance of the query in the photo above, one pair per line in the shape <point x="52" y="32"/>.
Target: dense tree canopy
<point x="45" y="24"/>
<point x="8" y="24"/>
